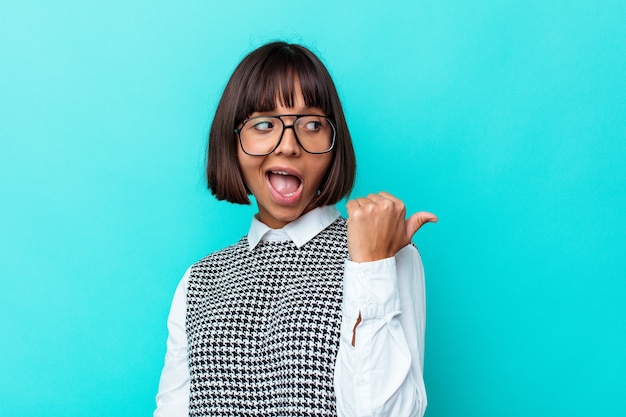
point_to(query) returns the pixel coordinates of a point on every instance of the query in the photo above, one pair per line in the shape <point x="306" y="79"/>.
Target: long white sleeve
<point x="382" y="374"/>
<point x="172" y="400"/>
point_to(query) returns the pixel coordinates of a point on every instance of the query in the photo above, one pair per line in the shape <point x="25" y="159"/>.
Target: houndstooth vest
<point x="263" y="327"/>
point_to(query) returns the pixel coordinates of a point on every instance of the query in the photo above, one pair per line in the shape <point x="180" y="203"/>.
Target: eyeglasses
<point x="261" y="135"/>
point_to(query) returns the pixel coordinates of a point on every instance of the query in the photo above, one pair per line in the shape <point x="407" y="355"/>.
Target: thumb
<point x="417" y="220"/>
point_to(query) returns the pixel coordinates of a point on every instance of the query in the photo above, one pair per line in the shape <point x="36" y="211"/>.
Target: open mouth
<point x="285" y="184"/>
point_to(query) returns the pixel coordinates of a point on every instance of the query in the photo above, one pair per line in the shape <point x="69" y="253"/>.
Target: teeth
<point x="279" y="173"/>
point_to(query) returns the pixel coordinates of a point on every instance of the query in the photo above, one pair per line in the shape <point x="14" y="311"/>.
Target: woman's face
<point x="286" y="181"/>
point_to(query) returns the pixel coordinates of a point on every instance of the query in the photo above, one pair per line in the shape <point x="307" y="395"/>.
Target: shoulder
<point x="223" y="256"/>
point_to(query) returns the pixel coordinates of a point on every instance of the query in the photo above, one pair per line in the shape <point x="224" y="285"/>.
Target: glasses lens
<point x="260" y="135"/>
<point x="316" y="133"/>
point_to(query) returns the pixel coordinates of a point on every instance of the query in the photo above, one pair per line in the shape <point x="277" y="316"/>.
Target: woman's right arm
<point x="173" y="396"/>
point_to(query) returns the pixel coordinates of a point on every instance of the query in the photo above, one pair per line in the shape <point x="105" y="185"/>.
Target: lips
<point x="285" y="185"/>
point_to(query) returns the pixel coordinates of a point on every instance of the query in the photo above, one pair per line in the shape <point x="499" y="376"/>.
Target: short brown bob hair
<point x="263" y="78"/>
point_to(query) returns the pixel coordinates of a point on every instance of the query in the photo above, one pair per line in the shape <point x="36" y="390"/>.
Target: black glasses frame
<point x="291" y="126"/>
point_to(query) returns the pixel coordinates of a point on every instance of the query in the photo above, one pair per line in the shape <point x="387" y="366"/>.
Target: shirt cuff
<point x="371" y="289"/>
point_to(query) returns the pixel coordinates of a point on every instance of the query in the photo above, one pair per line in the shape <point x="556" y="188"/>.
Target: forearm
<point x="381" y="373"/>
<point x="172" y="399"/>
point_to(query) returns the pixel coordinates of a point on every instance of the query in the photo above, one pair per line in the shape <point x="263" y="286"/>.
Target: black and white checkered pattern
<point x="263" y="327"/>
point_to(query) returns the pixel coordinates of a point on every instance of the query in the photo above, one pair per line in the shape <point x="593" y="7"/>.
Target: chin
<point x="279" y="217"/>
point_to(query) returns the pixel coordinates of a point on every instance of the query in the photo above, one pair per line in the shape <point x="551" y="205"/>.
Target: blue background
<point x="505" y="118"/>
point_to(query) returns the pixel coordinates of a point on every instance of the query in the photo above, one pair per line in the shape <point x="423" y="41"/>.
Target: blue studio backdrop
<point x="504" y="118"/>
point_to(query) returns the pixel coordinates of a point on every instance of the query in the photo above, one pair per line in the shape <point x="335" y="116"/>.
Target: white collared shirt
<point x="382" y="374"/>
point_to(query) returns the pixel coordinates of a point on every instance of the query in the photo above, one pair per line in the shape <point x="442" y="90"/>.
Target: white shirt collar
<point x="300" y="231"/>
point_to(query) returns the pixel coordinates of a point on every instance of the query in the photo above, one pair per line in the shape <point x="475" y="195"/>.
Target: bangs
<point x="272" y="82"/>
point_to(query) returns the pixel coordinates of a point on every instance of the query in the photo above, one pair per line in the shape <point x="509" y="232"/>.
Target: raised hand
<point x="378" y="228"/>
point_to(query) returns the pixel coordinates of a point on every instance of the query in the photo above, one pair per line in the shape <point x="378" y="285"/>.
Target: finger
<point x="356" y="203"/>
<point x="375" y="197"/>
<point x="388" y="196"/>
<point x="352" y="205"/>
<point x="417" y="220"/>
<point x="385" y="196"/>
<point x="370" y="198"/>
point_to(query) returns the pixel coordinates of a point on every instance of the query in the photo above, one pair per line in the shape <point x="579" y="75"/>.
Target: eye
<point x="312" y="124"/>
<point x="262" y="125"/>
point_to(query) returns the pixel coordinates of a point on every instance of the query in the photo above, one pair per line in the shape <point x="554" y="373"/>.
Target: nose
<point x="288" y="144"/>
